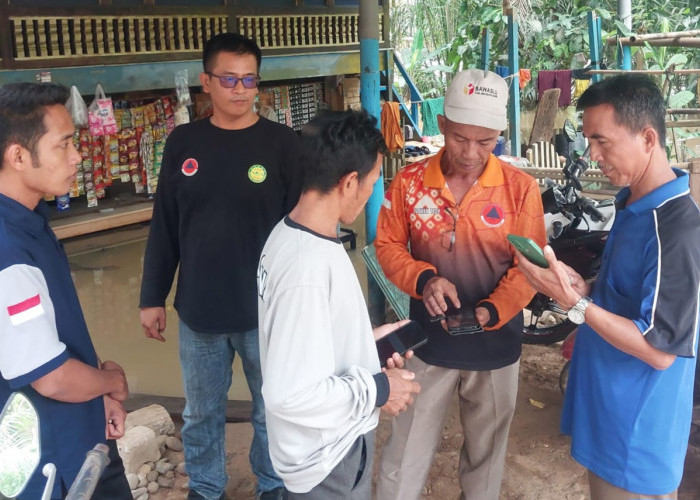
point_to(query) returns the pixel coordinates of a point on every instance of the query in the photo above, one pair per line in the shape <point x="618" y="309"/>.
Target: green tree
<point x="438" y="37"/>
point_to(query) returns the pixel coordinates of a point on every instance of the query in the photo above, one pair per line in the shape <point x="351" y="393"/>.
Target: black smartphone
<point x="462" y="321"/>
<point x="529" y="249"/>
<point x="409" y="336"/>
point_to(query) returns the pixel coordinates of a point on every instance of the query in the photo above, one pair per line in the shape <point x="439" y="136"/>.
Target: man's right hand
<point x="153" y="322"/>
<point x="401" y="390"/>
<point x="434" y="293"/>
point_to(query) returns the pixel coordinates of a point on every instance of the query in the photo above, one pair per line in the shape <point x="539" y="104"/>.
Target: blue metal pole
<point x="624" y="54"/>
<point x="369" y="97"/>
<point x="369" y="94"/>
<point x="514" y="101"/>
<point x="594" y="43"/>
<point x="485" y="49"/>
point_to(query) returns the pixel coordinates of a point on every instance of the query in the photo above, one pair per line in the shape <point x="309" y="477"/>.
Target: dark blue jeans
<point x="206" y="361"/>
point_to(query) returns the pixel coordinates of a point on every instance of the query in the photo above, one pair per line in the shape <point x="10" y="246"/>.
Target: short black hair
<point x="229" y="42"/>
<point x="636" y="99"/>
<point x="22" y="109"/>
<point x="336" y="143"/>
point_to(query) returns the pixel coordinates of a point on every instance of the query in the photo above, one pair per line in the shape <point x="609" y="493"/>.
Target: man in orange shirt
<point x="441" y="238"/>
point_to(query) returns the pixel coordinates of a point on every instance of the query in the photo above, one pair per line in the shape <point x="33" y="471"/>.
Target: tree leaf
<point x="680" y="99"/>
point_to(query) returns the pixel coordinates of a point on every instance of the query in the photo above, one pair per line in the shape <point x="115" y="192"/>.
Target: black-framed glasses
<point x="230" y="81"/>
<point x="447" y="237"/>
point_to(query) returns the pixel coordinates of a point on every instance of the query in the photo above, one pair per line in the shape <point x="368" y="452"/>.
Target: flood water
<point x="107" y="269"/>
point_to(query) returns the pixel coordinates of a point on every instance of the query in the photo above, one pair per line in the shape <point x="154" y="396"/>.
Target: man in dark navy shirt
<point x="224" y="184"/>
<point x="45" y="349"/>
<point x="628" y="405"/>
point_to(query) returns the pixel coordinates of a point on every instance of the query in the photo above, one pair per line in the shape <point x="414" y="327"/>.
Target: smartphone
<point x="462" y="321"/>
<point x="529" y="249"/>
<point x="409" y="336"/>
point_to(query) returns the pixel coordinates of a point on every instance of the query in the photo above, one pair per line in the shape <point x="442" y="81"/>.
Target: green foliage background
<point x="436" y="38"/>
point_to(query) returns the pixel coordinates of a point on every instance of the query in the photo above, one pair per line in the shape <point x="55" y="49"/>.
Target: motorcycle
<point x="20" y="453"/>
<point x="577" y="229"/>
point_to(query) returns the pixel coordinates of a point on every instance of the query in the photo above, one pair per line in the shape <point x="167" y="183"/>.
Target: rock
<point x="153" y="487"/>
<point x="152" y="476"/>
<point x="133" y="481"/>
<point x="143" y="497"/>
<point x="163" y="467"/>
<point x="180" y="468"/>
<point x="144" y="470"/>
<point x="161" y="443"/>
<point x="138" y="492"/>
<point x="143" y="482"/>
<point x="155" y="417"/>
<point x="173" y="443"/>
<point x="170" y="474"/>
<point x="166" y="482"/>
<point x="136" y="447"/>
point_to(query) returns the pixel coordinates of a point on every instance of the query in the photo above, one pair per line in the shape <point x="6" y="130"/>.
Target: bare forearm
<point x="76" y="382"/>
<point x="624" y="334"/>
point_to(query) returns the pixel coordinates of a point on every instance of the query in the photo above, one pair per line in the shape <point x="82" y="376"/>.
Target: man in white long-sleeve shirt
<point x="322" y="382"/>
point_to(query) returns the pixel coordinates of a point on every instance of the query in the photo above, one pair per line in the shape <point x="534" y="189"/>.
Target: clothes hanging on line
<point x="502" y="71"/>
<point x="558" y="79"/>
<point x="580" y="87"/>
<point x="391" y="126"/>
<point x="431" y="108"/>
<point x="525" y="76"/>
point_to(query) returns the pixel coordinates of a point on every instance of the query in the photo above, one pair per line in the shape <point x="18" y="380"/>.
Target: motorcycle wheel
<point x="564" y="377"/>
<point x="547" y="328"/>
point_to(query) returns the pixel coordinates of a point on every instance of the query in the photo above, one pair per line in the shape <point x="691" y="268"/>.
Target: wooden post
<point x="694" y="171"/>
<point x="543" y="124"/>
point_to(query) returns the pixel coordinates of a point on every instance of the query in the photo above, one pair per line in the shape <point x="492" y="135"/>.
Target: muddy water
<point x="108" y="281"/>
<point x="107" y="272"/>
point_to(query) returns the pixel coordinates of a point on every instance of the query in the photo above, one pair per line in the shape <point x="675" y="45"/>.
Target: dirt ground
<point x="538" y="465"/>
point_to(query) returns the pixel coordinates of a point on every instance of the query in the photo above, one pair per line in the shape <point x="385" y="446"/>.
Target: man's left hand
<point x="483" y="316"/>
<point x="115" y="415"/>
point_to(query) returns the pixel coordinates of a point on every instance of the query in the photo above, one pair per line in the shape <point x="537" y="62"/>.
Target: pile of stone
<point x="151" y="452"/>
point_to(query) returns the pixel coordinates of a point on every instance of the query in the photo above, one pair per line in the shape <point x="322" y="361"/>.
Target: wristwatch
<point x="577" y="314"/>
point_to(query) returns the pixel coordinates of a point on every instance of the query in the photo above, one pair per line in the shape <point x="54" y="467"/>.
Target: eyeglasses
<point x="230" y="81"/>
<point x="447" y="237"/>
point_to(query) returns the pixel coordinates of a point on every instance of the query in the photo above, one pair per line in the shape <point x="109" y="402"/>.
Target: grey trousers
<point x="351" y="479"/>
<point x="486" y="403"/>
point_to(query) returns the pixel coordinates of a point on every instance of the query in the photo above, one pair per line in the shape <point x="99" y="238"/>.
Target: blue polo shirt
<point x="41" y="326"/>
<point x="630" y="422"/>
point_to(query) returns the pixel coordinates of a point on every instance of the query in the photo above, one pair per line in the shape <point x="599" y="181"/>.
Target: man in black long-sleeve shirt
<point x="224" y="184"/>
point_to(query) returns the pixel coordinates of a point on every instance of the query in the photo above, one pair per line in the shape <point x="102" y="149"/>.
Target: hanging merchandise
<point x="77" y="108"/>
<point x="183" y="91"/>
<point x="182" y="116"/>
<point x="101" y="114"/>
<point x="147" y="154"/>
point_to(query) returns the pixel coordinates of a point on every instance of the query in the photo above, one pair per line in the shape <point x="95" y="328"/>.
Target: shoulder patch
<point x="190" y="167"/>
<point x="493" y="215"/>
<point x="25" y="310"/>
<point x="257" y="173"/>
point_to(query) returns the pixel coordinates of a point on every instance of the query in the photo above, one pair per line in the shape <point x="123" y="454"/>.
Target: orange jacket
<point x="481" y="263"/>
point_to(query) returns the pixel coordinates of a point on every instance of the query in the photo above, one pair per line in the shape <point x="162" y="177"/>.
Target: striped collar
<point x="657" y="197"/>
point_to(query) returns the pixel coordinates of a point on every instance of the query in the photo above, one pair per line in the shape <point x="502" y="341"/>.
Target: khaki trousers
<point x="603" y="490"/>
<point x="486" y="404"/>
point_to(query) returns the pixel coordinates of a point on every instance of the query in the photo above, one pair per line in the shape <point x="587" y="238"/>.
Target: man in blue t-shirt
<point x="628" y="403"/>
<point x="45" y="349"/>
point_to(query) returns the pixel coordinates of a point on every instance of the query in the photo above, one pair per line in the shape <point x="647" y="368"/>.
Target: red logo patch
<point x="492" y="215"/>
<point x="470" y="88"/>
<point x="190" y="167"/>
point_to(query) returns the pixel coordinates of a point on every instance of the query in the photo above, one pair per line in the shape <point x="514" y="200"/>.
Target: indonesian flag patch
<point x="25" y="310"/>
